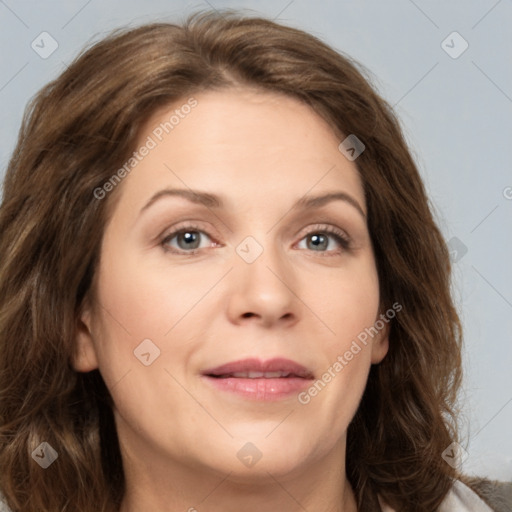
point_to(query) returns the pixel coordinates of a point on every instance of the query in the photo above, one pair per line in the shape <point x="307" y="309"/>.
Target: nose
<point x="263" y="291"/>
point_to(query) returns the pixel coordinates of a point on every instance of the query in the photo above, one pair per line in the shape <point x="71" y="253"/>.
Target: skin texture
<point x="180" y="436"/>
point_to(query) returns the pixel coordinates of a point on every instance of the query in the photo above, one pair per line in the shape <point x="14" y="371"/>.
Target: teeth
<point x="259" y="375"/>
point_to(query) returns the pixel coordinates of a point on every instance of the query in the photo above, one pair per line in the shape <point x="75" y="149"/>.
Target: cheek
<point x="137" y="327"/>
<point x="144" y="300"/>
<point x="141" y="302"/>
<point x="350" y="309"/>
<point x="350" y="302"/>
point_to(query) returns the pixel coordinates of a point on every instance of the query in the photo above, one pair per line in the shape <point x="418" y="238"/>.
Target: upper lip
<point x="285" y="366"/>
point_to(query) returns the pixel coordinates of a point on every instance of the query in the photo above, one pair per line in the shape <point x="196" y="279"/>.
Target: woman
<point x="222" y="287"/>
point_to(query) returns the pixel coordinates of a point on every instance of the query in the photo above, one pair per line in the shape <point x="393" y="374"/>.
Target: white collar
<point x="460" y="498"/>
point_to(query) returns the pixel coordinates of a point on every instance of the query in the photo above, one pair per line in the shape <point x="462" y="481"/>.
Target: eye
<point x="325" y="239"/>
<point x="186" y="240"/>
<point x="322" y="239"/>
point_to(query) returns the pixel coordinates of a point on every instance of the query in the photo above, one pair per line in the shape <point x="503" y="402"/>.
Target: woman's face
<point x="235" y="345"/>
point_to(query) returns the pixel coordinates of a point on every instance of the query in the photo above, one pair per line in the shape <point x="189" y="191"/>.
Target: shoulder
<point x="498" y="495"/>
<point x="474" y="495"/>
<point x="3" y="506"/>
<point x="462" y="498"/>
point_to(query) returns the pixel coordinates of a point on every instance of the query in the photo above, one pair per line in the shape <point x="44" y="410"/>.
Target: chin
<point x="252" y="461"/>
<point x="280" y="466"/>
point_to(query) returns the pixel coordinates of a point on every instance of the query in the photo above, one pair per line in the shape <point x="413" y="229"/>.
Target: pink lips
<point x="260" y="380"/>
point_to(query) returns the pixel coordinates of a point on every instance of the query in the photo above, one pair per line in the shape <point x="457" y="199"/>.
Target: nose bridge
<point x="263" y="280"/>
<point x="258" y="257"/>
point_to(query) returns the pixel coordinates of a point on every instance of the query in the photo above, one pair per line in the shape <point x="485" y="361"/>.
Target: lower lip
<point x="261" y="389"/>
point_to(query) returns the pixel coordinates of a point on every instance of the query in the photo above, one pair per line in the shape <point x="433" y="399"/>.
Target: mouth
<point x="254" y="379"/>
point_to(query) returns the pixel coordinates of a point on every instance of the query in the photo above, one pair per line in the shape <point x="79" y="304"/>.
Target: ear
<point x="380" y="344"/>
<point x="84" y="358"/>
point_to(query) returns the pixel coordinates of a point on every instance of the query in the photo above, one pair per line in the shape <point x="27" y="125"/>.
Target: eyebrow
<point x="214" y="201"/>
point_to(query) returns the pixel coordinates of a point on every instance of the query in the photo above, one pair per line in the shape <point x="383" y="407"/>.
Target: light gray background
<point x="456" y="113"/>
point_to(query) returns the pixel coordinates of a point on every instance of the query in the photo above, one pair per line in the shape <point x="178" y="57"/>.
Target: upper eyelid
<point x="194" y="227"/>
<point x="180" y="229"/>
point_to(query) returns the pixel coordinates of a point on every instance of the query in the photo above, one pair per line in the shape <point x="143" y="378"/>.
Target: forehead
<point x="243" y="143"/>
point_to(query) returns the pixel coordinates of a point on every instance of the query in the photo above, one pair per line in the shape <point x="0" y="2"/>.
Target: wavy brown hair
<point x="81" y="127"/>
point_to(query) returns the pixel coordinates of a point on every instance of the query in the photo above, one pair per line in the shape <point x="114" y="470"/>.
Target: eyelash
<point x="341" y="238"/>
